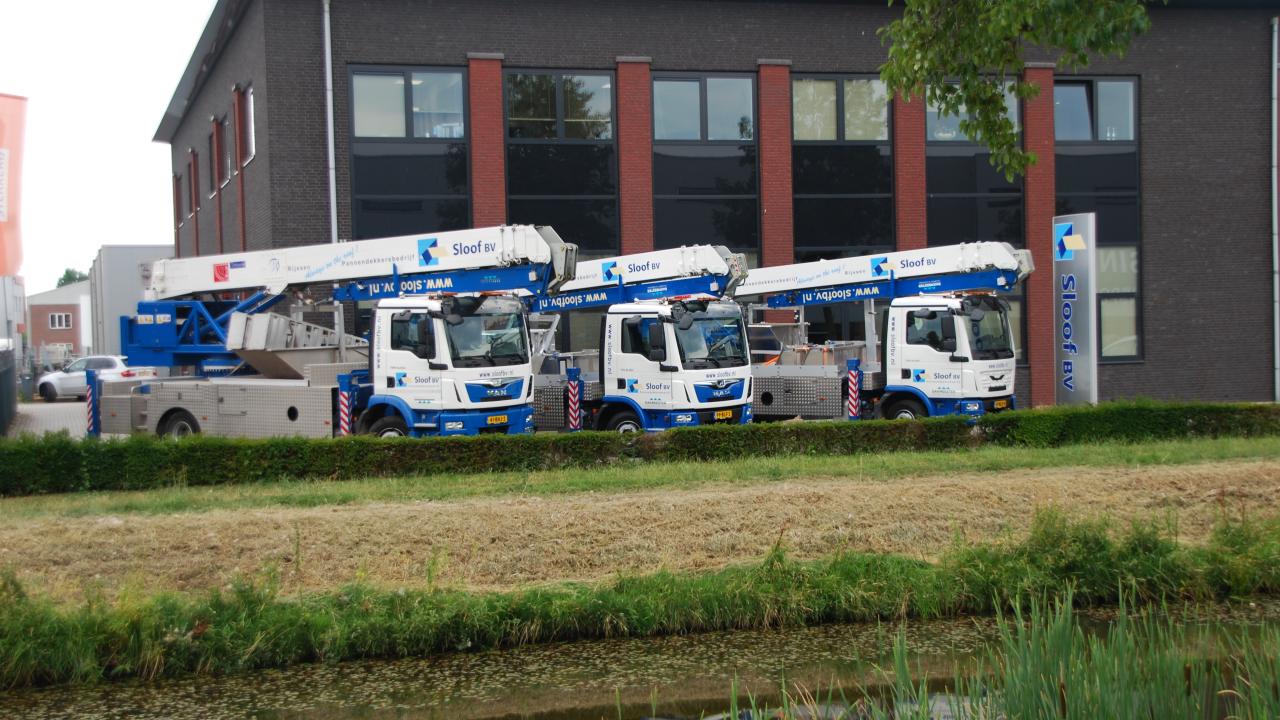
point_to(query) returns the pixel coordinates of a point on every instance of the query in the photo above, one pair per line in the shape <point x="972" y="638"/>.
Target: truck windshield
<point x="989" y="337"/>
<point x="491" y="333"/>
<point x="713" y="342"/>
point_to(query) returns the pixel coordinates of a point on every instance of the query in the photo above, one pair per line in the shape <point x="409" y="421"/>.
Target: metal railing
<point x="8" y="389"/>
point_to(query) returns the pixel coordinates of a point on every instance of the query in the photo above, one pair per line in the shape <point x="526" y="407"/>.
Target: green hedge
<point x="57" y="463"/>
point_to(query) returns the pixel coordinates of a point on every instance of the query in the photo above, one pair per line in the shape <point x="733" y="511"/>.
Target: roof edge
<point x="222" y="22"/>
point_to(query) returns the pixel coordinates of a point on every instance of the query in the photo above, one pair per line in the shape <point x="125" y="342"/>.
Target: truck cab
<point x="673" y="363"/>
<point x="448" y="365"/>
<point x="947" y="354"/>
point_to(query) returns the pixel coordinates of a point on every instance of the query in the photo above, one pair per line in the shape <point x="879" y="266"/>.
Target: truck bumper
<point x="977" y="407"/>
<point x="515" y="420"/>
<point x="736" y="415"/>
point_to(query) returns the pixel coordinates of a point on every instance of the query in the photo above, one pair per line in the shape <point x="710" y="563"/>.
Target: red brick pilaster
<point x="488" y="140"/>
<point x="1039" y="199"/>
<point x="634" y="125"/>
<point x="908" y="174"/>
<point x="773" y="136"/>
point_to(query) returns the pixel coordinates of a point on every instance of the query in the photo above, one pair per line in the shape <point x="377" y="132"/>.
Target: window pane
<point x="403" y="169"/>
<point x="730" y="109"/>
<point x="1115" y="110"/>
<point x="834" y="224"/>
<point x="1119" y="327"/>
<point x="591" y="224"/>
<point x="375" y="218"/>
<point x="704" y="170"/>
<point x="964" y="169"/>
<point x="531" y="106"/>
<point x="866" y="110"/>
<point x="1096" y="168"/>
<point x="561" y="169"/>
<point x="953" y="220"/>
<point x="437" y="105"/>
<point x="676" y="111"/>
<point x="947" y="128"/>
<point x="1071" y="118"/>
<point x="733" y="223"/>
<point x="813" y="109"/>
<point x="1117" y="216"/>
<point x="379" y="105"/>
<point x="841" y="169"/>
<point x="1117" y="269"/>
<point x="1016" y="325"/>
<point x="588" y="107"/>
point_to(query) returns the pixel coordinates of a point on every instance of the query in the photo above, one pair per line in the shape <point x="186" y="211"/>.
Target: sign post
<point x="1075" y="307"/>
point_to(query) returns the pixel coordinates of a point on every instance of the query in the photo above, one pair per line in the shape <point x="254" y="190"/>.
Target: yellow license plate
<point x="497" y="419"/>
<point x="724" y="414"/>
<point x="1002" y="404"/>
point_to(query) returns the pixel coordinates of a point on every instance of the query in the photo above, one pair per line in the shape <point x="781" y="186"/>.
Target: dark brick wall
<point x="487" y="134"/>
<point x="243" y="63"/>
<point x="1206" y="229"/>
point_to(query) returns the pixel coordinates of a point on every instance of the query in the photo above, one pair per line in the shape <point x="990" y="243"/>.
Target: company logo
<point x="631" y="385"/>
<point x="400" y="379"/>
<point x="1066" y="241"/>
<point x="429" y="252"/>
<point x="237" y="264"/>
<point x="274" y="265"/>
<point x="722" y="384"/>
<point x="221" y="272"/>
<point x="917" y="375"/>
<point x="610" y="270"/>
<point x="878" y="265"/>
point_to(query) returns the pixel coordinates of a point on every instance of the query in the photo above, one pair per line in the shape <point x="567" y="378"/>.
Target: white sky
<point x="98" y="76"/>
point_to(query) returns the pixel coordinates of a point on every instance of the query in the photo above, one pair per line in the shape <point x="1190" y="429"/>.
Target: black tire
<point x="48" y="394"/>
<point x="389" y="426"/>
<point x="179" y="424"/>
<point x="624" y="421"/>
<point x="906" y="409"/>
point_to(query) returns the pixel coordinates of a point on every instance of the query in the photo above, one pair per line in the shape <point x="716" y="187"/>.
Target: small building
<point x="117" y="279"/>
<point x="60" y="321"/>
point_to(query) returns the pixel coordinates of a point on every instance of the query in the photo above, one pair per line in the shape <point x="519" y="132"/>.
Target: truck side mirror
<point x="948" y="345"/>
<point x="657" y="342"/>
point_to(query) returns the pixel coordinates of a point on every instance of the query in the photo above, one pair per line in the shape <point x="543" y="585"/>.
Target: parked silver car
<point x="71" y="381"/>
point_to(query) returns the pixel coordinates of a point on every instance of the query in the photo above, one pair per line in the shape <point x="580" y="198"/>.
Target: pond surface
<point x="685" y="676"/>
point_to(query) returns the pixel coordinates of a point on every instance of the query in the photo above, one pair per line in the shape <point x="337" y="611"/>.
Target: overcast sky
<point x="98" y="77"/>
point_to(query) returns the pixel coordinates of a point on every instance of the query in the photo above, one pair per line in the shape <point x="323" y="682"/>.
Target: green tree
<point x="71" y="275"/>
<point x="963" y="55"/>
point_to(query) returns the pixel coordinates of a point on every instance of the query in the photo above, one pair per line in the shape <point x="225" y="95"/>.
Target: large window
<point x="842" y="179"/>
<point x="409" y="167"/>
<point x="705" y="187"/>
<point x="1096" y="166"/>
<point x="969" y="200"/>
<point x="562" y="167"/>
<point x="59" y="321"/>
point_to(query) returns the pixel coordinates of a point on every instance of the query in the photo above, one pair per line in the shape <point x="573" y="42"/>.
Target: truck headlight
<point x="453" y="425"/>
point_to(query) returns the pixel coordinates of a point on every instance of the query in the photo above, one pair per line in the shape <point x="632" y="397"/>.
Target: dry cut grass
<point x="507" y="542"/>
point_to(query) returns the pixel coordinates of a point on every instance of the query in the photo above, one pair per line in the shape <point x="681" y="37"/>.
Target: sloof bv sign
<point x="1075" y="264"/>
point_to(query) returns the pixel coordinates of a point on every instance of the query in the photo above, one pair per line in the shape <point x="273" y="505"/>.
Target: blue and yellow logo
<point x="400" y="376"/>
<point x="610" y="270"/>
<point x="631" y="385"/>
<point x="917" y="375"/>
<point x="878" y="266"/>
<point x="429" y="252"/>
<point x="1066" y="241"/>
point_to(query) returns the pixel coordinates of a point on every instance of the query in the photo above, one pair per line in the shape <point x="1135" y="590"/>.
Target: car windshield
<point x="989" y="336"/>
<point x="490" y="334"/>
<point x="713" y="341"/>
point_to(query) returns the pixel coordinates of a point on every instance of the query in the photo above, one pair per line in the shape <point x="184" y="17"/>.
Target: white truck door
<point x="637" y="364"/>
<point x="406" y="347"/>
<point x="927" y="342"/>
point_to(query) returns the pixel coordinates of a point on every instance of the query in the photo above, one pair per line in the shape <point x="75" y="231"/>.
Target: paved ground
<point x="41" y="417"/>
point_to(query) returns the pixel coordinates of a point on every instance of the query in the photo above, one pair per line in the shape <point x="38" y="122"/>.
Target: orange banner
<point x="13" y="115"/>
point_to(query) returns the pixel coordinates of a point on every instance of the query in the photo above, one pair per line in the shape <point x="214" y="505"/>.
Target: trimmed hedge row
<point x="57" y="463"/>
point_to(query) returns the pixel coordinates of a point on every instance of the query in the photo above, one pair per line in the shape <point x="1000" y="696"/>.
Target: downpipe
<point x="328" y="126"/>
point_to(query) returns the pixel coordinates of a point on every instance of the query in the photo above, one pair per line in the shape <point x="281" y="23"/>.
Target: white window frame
<point x="60" y="325"/>
<point x="251" y="141"/>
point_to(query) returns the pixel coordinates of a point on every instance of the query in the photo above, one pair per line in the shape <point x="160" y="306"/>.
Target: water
<point x="685" y="676"/>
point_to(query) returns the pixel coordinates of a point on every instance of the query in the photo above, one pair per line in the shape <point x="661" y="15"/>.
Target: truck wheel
<point x="906" y="409"/>
<point x="624" y="422"/>
<point x="180" y="424"/>
<point x="389" y="426"/>
<point x="48" y="394"/>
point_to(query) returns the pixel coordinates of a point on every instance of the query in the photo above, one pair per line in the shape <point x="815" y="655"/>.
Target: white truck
<point x="939" y="343"/>
<point x="449" y="352"/>
<point x="671" y="352"/>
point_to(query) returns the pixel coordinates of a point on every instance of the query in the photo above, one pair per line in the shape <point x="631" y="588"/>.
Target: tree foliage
<point x="71" y="275"/>
<point x="964" y="55"/>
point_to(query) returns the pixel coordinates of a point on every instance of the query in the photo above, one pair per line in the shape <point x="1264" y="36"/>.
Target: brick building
<point x="60" y="323"/>
<point x="758" y="125"/>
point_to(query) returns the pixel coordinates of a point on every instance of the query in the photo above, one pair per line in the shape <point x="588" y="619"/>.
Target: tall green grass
<point x="252" y="625"/>
<point x="1044" y="665"/>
